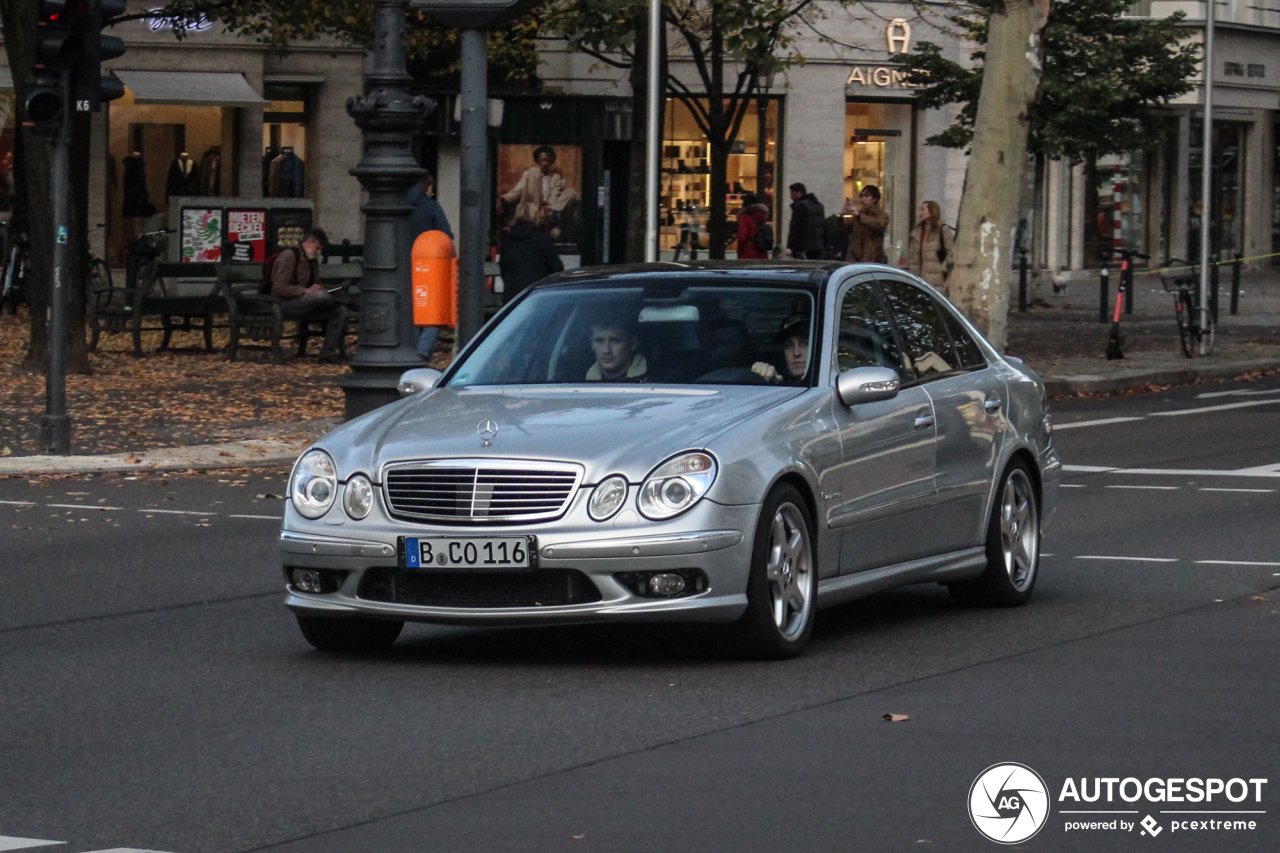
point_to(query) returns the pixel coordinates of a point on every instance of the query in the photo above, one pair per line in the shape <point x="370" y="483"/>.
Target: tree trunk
<point x="979" y="283"/>
<point x="19" y="16"/>
<point x="716" y="221"/>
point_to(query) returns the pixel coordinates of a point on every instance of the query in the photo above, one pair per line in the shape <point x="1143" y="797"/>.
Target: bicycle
<point x="1195" y="322"/>
<point x="15" y="273"/>
<point x="99" y="277"/>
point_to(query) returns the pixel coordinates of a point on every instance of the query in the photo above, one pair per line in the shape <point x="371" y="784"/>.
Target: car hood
<point x="623" y="429"/>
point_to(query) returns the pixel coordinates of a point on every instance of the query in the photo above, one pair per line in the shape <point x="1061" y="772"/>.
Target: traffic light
<point x="89" y="88"/>
<point x="43" y="96"/>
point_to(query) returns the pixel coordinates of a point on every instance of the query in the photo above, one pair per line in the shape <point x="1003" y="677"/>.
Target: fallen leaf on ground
<point x="896" y="718"/>
<point x="6" y="451"/>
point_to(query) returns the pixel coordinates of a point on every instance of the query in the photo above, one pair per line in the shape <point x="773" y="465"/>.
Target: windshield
<point x="660" y="333"/>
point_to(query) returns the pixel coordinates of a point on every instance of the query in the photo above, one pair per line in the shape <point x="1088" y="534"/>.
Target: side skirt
<point x="948" y="568"/>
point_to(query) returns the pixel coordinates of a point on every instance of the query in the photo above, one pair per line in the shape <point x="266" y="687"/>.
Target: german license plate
<point x="492" y="553"/>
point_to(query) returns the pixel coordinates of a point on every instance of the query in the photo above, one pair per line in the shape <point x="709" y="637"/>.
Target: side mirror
<point x="867" y="385"/>
<point x="418" y="380"/>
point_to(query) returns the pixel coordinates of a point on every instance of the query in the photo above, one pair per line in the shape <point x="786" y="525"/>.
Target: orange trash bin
<point x="435" y="280"/>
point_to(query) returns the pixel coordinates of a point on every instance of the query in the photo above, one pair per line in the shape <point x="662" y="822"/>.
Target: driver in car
<point x="794" y="336"/>
<point x="616" y="346"/>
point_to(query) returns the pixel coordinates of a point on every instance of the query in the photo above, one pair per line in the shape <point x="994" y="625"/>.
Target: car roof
<point x="707" y="273"/>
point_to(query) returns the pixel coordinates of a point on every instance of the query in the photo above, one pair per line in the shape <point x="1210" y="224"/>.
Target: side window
<point x="967" y="349"/>
<point x="924" y="333"/>
<point x="866" y="337"/>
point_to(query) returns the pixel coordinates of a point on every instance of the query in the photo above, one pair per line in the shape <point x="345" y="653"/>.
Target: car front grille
<point x="486" y="491"/>
<point x="543" y="588"/>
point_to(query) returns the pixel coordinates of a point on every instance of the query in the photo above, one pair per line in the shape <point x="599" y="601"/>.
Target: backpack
<point x="763" y="238"/>
<point x="269" y="268"/>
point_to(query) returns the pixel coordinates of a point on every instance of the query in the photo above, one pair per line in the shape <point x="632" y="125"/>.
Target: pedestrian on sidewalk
<point x="867" y="224"/>
<point x="930" y="251"/>
<point x="528" y="255"/>
<point x="295" y="281"/>
<point x="805" y="236"/>
<point x="427" y="215"/>
<point x="750" y="218"/>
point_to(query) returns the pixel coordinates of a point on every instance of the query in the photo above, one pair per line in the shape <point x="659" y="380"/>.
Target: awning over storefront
<point x="199" y="88"/>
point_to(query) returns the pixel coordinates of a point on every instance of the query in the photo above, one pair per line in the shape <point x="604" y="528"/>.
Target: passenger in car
<point x="616" y="346"/>
<point x="794" y="336"/>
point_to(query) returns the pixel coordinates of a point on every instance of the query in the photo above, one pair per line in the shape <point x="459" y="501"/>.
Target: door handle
<point x="992" y="405"/>
<point x="924" y="421"/>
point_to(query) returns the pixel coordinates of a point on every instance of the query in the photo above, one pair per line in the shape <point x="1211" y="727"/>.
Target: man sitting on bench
<point x="295" y="281"/>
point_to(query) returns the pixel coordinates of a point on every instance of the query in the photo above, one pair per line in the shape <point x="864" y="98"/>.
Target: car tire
<point x="349" y="634"/>
<point x="783" y="581"/>
<point x="1013" y="546"/>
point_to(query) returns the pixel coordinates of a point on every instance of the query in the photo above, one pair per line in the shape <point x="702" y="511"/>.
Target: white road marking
<point x="1202" y="409"/>
<point x="8" y="842"/>
<point x="1100" y="422"/>
<point x="1251" y="491"/>
<point x="86" y="506"/>
<point x="126" y="850"/>
<point x="1129" y="559"/>
<point x="176" y="512"/>
<point x="1072" y="486"/>
<point x="1267" y="471"/>
<point x="17" y="503"/>
<point x="1210" y="394"/>
<point x="1233" y="563"/>
<point x="264" y="517"/>
<point x="1153" y="488"/>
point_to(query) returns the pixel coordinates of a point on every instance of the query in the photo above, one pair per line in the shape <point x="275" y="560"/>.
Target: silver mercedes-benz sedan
<point x="716" y="442"/>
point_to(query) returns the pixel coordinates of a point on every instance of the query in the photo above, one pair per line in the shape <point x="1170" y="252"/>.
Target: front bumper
<point x="712" y="538"/>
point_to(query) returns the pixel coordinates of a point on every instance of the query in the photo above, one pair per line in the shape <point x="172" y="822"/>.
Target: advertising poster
<point x="246" y="236"/>
<point x="542" y="184"/>
<point x="201" y="234"/>
<point x="287" y="225"/>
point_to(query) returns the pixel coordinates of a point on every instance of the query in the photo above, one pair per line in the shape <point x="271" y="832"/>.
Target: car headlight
<point x="357" y="496"/>
<point x="314" y="484"/>
<point x="607" y="498"/>
<point x="676" y="485"/>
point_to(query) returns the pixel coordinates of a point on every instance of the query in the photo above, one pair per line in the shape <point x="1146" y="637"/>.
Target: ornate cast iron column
<point x="388" y="116"/>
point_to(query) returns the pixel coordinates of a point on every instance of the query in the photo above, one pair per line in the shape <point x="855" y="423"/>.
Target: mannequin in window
<point x="211" y="171"/>
<point x="184" y="177"/>
<point x="137" y="201"/>
<point x="268" y="154"/>
<point x="287" y="177"/>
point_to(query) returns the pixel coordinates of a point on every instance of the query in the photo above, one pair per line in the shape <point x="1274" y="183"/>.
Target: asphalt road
<point x="155" y="695"/>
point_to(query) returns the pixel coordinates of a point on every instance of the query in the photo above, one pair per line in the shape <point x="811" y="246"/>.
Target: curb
<point x="1138" y="378"/>
<point x="236" y="454"/>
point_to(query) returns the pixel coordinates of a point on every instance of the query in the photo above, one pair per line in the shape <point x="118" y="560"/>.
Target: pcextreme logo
<point x="1008" y="803"/>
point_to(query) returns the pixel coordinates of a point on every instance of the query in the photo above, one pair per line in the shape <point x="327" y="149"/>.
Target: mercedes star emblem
<point x="488" y="431"/>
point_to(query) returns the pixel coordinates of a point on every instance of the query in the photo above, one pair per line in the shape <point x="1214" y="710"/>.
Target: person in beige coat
<point x="930" y="252"/>
<point x="866" y="223"/>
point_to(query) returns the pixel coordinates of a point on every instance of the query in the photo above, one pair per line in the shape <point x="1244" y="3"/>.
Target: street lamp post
<point x="387" y="115"/>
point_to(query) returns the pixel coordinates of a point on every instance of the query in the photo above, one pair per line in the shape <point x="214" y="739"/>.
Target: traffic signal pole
<point x="55" y="423"/>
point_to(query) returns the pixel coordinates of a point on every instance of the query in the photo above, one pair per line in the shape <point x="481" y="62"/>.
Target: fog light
<point x="666" y="583"/>
<point x="307" y="580"/>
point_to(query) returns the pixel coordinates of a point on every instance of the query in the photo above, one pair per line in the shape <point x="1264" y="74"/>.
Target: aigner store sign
<point x="882" y="80"/>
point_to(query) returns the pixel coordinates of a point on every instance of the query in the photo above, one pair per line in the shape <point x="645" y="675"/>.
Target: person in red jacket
<point x="752" y="215"/>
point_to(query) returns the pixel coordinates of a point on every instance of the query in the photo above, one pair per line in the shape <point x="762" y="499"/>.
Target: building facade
<point x="213" y="124"/>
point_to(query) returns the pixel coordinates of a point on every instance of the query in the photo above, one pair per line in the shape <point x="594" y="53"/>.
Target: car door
<point x="968" y="402"/>
<point x="887" y="452"/>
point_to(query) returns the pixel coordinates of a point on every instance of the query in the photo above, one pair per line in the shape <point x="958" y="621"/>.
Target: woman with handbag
<point x="931" y="248"/>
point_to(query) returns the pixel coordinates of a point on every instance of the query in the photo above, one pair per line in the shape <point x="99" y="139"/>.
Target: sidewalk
<point x="194" y="410"/>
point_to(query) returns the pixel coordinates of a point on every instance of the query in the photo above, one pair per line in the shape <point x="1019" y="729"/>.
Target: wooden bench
<point x="257" y="316"/>
<point x="182" y="292"/>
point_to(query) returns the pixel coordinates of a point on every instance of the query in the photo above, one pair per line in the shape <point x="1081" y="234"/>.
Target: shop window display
<point x="7" y="125"/>
<point x="1226" y="193"/>
<point x="1119" y="204"/>
<point x="284" y="141"/>
<point x="685" y="194"/>
<point x="159" y="152"/>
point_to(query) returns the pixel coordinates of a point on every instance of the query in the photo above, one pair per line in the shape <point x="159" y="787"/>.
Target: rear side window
<point x="967" y="350"/>
<point x="925" y="338"/>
